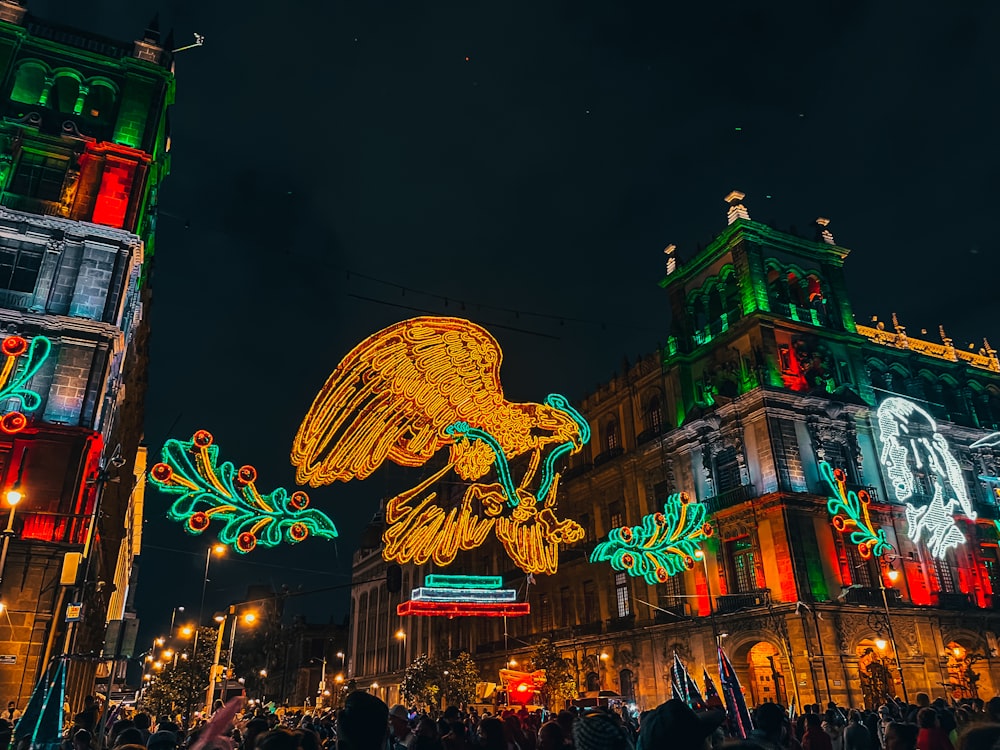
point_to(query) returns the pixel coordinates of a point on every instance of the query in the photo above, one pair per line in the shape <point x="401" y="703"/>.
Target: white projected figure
<point x="912" y="445"/>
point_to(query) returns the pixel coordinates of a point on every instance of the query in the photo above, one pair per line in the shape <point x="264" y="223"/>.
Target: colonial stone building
<point x="765" y="376"/>
<point x="83" y="149"/>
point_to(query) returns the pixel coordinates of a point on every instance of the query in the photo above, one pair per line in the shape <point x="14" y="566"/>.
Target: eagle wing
<point x="393" y="396"/>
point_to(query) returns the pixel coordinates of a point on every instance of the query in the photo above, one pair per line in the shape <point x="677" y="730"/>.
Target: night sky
<point x="338" y="167"/>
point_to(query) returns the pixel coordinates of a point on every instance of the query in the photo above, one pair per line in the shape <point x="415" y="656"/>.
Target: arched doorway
<point x="963" y="671"/>
<point x="875" y="668"/>
<point x="767" y="679"/>
<point x="593" y="682"/>
<point x="626" y="684"/>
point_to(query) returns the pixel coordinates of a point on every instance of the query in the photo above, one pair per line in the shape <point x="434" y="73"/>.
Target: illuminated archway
<point x="766" y="683"/>
<point x="876" y="671"/>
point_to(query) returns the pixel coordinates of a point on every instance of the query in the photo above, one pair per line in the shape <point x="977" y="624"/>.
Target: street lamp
<point x="888" y="624"/>
<point x="13" y="497"/>
<point x="173" y="616"/>
<point x="249" y="618"/>
<point x="215" y="549"/>
<point x="401" y="637"/>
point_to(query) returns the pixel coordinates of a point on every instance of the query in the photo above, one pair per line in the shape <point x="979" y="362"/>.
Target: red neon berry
<point x="864" y="497"/>
<point x="161" y="472"/>
<point x="628" y="561"/>
<point x="839" y="523"/>
<point x="707" y="529"/>
<point x="198" y="522"/>
<point x="14" y="346"/>
<point x="298" y="531"/>
<point x="685" y="498"/>
<point x="839" y="475"/>
<point x="246" y="542"/>
<point x="202" y="438"/>
<point x="689" y="562"/>
<point x="659" y="518"/>
<point x="299" y="500"/>
<point x="626" y="534"/>
<point x="13" y="422"/>
<point x="661" y="575"/>
<point x="246" y="475"/>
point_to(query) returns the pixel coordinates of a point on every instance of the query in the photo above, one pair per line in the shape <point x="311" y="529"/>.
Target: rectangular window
<point x="39" y="176"/>
<point x="622" y="598"/>
<point x="991" y="563"/>
<point x="616" y="514"/>
<point x="945" y="576"/>
<point x="670" y="596"/>
<point x="727" y="471"/>
<point x="741" y="559"/>
<point x="566" y="609"/>
<point x="19" y="269"/>
<point x="545" y="613"/>
<point x="591" y="611"/>
<point x="861" y="571"/>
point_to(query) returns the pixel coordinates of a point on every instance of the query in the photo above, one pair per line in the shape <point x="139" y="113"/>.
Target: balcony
<point x="868" y="596"/>
<point x="618" y="624"/>
<point x="646" y="435"/>
<point x="744" y="600"/>
<point x="824" y="489"/>
<point x="610" y="453"/>
<point x="589" y="628"/>
<point x="728" y="499"/>
<point x="951" y="600"/>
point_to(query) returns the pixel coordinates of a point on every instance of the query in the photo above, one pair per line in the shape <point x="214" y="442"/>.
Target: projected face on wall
<point x="923" y="473"/>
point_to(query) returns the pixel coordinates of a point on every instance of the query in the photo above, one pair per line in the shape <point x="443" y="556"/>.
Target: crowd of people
<point x="367" y="723"/>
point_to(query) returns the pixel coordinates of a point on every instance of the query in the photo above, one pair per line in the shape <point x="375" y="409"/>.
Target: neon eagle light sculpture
<point x="911" y="443"/>
<point x="209" y="491"/>
<point x="430" y="386"/>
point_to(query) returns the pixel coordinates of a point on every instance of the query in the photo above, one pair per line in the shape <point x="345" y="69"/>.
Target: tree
<point x="560" y="682"/>
<point x="461" y="681"/>
<point x="422" y="680"/>
<point x="181" y="687"/>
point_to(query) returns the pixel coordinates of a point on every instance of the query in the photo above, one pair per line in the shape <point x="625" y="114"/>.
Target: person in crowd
<point x="598" y="729"/>
<point x="363" y="723"/>
<point x="550" y="736"/>
<point x="856" y="734"/>
<point x="675" y="725"/>
<point x="490" y="734"/>
<point x="901" y="736"/>
<point x="770" y="721"/>
<point x="982" y="736"/>
<point x="427" y="735"/>
<point x="816" y="737"/>
<point x="930" y="735"/>
<point x="457" y="737"/>
<point x="162" y="739"/>
<point x="11" y="714"/>
<point x="399" y="723"/>
<point x="87" y="718"/>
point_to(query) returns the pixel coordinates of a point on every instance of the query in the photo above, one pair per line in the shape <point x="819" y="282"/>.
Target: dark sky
<point x="340" y="163"/>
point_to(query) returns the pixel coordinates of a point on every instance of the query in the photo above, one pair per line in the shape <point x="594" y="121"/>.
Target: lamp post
<point x="214" y="673"/>
<point x="888" y="627"/>
<point x="249" y="618"/>
<point x="173" y="617"/>
<point x="215" y="549"/>
<point x="401" y="637"/>
<point x="13" y="496"/>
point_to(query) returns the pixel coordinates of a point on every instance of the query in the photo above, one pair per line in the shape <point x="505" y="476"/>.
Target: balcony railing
<point x="744" y="600"/>
<point x="868" y="596"/>
<point x="589" y="628"/>
<point x="731" y="497"/>
<point x="646" y="435"/>
<point x="617" y="624"/>
<point x="610" y="453"/>
<point x="952" y="600"/>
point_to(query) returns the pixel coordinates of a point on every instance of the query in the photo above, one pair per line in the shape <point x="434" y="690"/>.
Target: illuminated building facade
<point x="765" y="379"/>
<point x="83" y="149"/>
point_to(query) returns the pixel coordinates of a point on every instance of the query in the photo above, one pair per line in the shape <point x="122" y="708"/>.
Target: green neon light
<point x="212" y="491"/>
<point x="439" y="581"/>
<point x="664" y="545"/>
<point x="850" y="511"/>
<point x="460" y="430"/>
<point x="13" y="386"/>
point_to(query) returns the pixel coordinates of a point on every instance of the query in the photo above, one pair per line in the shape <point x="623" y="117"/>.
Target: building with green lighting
<point x="83" y="149"/>
<point x="765" y="377"/>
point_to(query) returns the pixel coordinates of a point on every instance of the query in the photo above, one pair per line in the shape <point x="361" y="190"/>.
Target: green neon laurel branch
<point x="663" y="545"/>
<point x="38" y="352"/>
<point x="209" y="491"/>
<point x="850" y="509"/>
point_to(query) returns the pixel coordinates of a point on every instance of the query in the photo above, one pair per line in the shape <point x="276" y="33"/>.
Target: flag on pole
<point x="694" y="695"/>
<point x="712" y="698"/>
<point x="740" y="723"/>
<point x="679" y="680"/>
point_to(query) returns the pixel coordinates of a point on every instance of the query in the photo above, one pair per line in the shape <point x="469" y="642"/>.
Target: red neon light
<point x="464" y="609"/>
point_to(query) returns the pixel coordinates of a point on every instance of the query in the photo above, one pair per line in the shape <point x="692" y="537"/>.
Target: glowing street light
<point x="881" y="643"/>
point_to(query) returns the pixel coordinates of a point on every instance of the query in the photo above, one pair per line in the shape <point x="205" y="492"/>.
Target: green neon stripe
<point x="462" y="582"/>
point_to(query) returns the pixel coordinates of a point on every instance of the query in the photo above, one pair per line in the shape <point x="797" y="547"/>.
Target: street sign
<point x="74" y="612"/>
<point x="8" y="659"/>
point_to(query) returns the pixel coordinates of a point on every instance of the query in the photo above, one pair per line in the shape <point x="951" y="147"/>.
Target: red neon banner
<point x="464" y="609"/>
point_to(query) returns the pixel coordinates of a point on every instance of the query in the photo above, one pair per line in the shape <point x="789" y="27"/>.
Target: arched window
<point x="611" y="440"/>
<point x="626" y="684"/>
<point x="814" y="289"/>
<point x="796" y="294"/>
<point x="731" y="295"/>
<point x="28" y="84"/>
<point x="64" y="93"/>
<point x="100" y="101"/>
<point x="653" y="417"/>
<point x="777" y="287"/>
<point x="593" y="682"/>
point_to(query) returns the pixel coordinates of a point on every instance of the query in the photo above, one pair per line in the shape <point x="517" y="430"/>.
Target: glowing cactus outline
<point x="12" y="386"/>
<point x="850" y="510"/>
<point x="212" y="491"/>
<point x="663" y="545"/>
